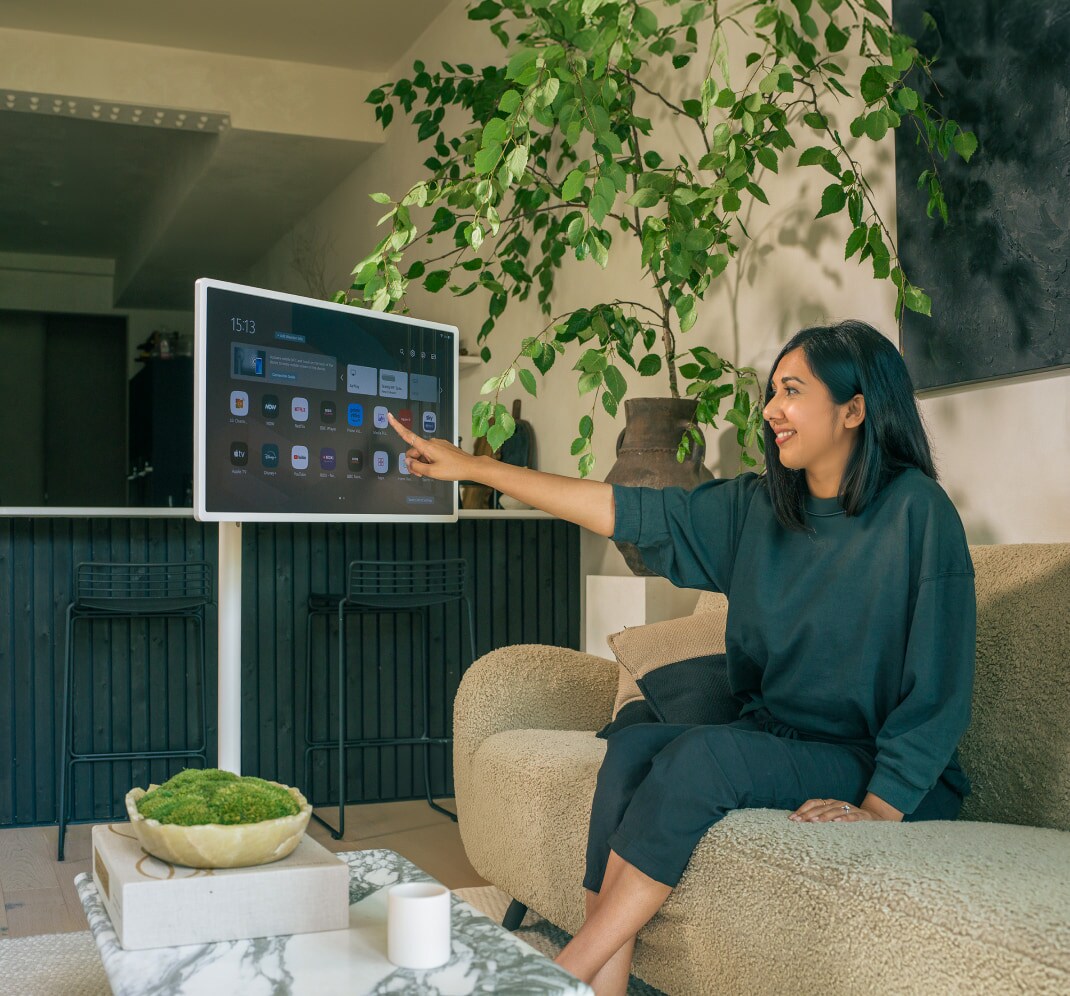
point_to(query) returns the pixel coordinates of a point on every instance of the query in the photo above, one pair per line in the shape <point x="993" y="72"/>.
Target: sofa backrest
<point x="1016" y="751"/>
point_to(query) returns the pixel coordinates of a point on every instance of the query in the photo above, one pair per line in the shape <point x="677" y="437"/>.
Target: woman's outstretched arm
<point x="587" y="503"/>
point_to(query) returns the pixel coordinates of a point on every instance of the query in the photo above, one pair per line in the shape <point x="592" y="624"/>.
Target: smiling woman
<point x="849" y="640"/>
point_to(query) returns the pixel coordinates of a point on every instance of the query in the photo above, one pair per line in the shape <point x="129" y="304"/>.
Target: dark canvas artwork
<point x="999" y="274"/>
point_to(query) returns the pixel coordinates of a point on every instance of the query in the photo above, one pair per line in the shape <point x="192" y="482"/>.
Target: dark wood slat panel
<point x="136" y="684"/>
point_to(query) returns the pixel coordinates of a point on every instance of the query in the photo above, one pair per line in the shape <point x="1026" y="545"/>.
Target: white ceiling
<point x="354" y="34"/>
<point x="76" y="187"/>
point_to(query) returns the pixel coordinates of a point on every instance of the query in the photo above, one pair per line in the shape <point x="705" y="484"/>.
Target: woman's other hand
<point x="434" y="458"/>
<point x="832" y="811"/>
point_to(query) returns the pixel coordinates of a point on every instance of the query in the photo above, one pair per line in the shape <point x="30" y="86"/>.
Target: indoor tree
<point x="552" y="161"/>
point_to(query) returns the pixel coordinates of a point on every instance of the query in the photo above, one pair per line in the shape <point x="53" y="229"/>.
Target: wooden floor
<point x="37" y="894"/>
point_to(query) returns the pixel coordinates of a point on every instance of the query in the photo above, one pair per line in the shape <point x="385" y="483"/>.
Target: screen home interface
<point x="296" y="401"/>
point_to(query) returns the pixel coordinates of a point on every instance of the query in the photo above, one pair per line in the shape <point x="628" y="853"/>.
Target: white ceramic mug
<point x="418" y="925"/>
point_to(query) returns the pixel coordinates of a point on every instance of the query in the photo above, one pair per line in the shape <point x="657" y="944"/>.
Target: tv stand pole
<point x="229" y="613"/>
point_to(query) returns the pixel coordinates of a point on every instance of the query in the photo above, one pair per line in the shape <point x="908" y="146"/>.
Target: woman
<point x="850" y="633"/>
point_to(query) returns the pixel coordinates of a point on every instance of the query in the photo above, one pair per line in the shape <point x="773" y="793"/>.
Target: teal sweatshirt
<point x="860" y="632"/>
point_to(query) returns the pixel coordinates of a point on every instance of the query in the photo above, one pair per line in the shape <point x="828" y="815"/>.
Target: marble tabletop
<point x="486" y="958"/>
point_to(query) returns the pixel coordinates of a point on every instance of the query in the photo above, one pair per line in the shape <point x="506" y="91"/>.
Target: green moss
<point x="208" y="795"/>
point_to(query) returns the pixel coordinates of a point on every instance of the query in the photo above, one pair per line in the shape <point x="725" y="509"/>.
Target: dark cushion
<point x="664" y="680"/>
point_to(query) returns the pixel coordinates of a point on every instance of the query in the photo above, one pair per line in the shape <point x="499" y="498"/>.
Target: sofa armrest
<point x="530" y="687"/>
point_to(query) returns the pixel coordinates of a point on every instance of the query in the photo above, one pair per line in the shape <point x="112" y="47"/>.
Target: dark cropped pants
<point x="661" y="787"/>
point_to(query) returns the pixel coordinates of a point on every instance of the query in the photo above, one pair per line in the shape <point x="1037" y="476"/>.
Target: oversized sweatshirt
<point x="860" y="632"/>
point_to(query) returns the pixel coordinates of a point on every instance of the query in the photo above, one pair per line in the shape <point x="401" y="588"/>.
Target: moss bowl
<point x="215" y="845"/>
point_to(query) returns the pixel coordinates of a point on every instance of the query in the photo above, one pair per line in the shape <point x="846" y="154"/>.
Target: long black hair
<point x="852" y="358"/>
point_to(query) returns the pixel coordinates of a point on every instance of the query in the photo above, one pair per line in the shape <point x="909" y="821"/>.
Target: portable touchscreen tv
<point x="290" y="410"/>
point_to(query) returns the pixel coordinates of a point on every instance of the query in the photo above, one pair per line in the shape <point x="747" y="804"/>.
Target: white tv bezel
<point x="200" y="511"/>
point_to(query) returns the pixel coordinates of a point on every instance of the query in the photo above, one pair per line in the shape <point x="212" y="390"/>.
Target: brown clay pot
<point x="646" y="455"/>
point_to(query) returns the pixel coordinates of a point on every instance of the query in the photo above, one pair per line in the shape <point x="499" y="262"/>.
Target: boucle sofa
<point x="976" y="905"/>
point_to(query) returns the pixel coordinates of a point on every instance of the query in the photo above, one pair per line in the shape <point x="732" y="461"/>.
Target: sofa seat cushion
<point x="768" y="905"/>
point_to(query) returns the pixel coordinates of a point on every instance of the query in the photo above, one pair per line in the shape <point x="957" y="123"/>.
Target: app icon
<point x="299" y="457"/>
<point x="326" y="458"/>
<point x="430" y="422"/>
<point x="405" y="417"/>
<point x="381" y="462"/>
<point x="299" y="409"/>
<point x="269" y="406"/>
<point x="403" y="464"/>
<point x="379" y="417"/>
<point x="328" y="411"/>
<point x="239" y="454"/>
<point x="356" y="461"/>
<point x="355" y="414"/>
<point x="269" y="455"/>
<point x="239" y="403"/>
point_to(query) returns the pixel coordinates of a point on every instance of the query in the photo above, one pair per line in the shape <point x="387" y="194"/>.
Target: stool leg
<point x="341" y="723"/>
<point x="308" y="704"/>
<point x="65" y="746"/>
<point x="425" y="656"/>
<point x="198" y="618"/>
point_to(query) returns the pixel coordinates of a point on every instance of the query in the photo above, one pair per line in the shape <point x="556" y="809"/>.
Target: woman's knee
<point x="632" y="749"/>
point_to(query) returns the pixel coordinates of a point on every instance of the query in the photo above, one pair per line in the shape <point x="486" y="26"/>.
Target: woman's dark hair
<point x="853" y="358"/>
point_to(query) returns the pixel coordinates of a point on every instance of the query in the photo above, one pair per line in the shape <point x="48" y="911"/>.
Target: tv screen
<point x="290" y="406"/>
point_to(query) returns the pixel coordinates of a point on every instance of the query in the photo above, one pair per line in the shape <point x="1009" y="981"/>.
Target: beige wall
<point x="1001" y="448"/>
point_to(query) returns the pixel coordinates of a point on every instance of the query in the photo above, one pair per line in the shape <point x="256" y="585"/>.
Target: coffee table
<point x="486" y="958"/>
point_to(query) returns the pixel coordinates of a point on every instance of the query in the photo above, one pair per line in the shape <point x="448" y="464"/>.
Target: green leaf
<point x="698" y="239"/>
<point x="573" y="184"/>
<point x="717" y="264"/>
<point x="487" y="159"/>
<point x="598" y="250"/>
<point x="814" y="156"/>
<point x="737" y="418"/>
<point x="495" y="132"/>
<point x="835" y="39"/>
<point x="767" y="157"/>
<point x="589" y="381"/>
<point x="876" y="125"/>
<point x="855" y="241"/>
<point x="833" y="199"/>
<point x="579" y="444"/>
<point x="644" y="21"/>
<point x="575" y="231"/>
<point x="486" y="11"/>
<point x="586" y="427"/>
<point x="756" y="192"/>
<point x="965" y="143"/>
<point x="615" y="382"/>
<point x="436" y="280"/>
<point x="496" y="435"/>
<point x="917" y="300"/>
<point x="908" y="99"/>
<point x="649" y="365"/>
<point x="644" y="197"/>
<point x="510" y="101"/>
<point x="527" y="378"/>
<point x="873" y="85"/>
<point x="586" y="463"/>
<point x="381" y="198"/>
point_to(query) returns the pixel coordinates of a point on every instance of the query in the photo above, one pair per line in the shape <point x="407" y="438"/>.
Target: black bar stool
<point x="130" y="591"/>
<point x="378" y="587"/>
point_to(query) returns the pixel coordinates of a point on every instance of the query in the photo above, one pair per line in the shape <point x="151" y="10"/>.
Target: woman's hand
<point x="832" y="811"/>
<point x="435" y="458"/>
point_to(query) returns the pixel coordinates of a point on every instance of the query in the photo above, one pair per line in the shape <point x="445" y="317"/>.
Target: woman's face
<point x="813" y="432"/>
